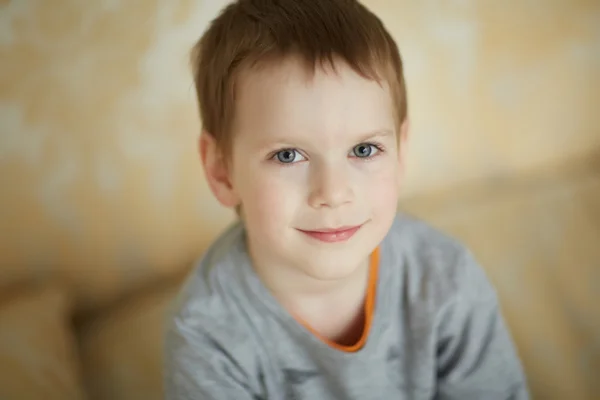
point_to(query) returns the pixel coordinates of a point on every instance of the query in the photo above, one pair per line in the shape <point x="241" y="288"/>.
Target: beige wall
<point x="99" y="173"/>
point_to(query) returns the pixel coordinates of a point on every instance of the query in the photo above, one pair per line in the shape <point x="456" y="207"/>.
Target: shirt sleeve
<point x="197" y="366"/>
<point x="476" y="357"/>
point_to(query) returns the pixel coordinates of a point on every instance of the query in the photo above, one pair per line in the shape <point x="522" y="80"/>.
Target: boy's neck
<point x="332" y="308"/>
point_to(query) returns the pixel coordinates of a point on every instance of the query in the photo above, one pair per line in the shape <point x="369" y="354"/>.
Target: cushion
<point x="38" y="352"/>
<point x="121" y="348"/>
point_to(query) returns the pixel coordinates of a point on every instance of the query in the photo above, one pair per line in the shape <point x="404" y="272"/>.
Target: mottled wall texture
<point x="100" y="179"/>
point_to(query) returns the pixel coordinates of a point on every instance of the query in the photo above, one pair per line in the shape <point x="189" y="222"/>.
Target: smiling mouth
<point x="332" y="235"/>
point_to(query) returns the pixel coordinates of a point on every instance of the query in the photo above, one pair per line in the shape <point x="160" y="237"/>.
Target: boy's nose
<point x="331" y="188"/>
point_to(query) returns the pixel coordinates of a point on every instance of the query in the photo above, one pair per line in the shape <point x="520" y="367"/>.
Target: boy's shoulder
<point x="210" y="294"/>
<point x="435" y="261"/>
<point x="417" y="234"/>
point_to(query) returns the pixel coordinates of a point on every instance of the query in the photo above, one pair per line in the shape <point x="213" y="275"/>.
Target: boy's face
<point x="311" y="156"/>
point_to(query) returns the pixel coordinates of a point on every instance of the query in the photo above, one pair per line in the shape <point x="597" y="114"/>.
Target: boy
<point x="321" y="291"/>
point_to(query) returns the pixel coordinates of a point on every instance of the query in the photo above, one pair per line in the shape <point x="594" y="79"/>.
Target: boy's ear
<point x="216" y="170"/>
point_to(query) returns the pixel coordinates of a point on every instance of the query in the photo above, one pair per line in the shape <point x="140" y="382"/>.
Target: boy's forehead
<point x="286" y="99"/>
<point x="293" y="76"/>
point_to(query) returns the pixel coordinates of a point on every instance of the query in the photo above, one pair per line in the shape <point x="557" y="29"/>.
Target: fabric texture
<point x="437" y="331"/>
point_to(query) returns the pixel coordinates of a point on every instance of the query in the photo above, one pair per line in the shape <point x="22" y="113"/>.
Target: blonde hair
<point x="251" y="32"/>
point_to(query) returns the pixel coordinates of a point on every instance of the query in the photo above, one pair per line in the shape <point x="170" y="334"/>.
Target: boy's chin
<point x="331" y="267"/>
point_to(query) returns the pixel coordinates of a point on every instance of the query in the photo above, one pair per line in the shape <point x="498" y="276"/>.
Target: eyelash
<point x="379" y="147"/>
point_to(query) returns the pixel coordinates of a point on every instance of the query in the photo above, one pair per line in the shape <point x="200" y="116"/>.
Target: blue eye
<point x="365" y="150"/>
<point x="286" y="156"/>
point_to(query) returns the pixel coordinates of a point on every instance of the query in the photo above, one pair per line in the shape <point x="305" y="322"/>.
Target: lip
<point x="332" y="235"/>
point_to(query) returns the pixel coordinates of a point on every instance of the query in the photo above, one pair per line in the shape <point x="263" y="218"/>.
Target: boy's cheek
<point x="281" y="196"/>
<point x="385" y="179"/>
<point x="270" y="199"/>
<point x="384" y="192"/>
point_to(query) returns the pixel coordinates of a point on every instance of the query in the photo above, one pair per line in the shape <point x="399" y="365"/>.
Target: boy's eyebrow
<point x="376" y="133"/>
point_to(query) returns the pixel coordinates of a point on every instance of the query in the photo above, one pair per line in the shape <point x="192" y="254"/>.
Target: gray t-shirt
<point x="436" y="331"/>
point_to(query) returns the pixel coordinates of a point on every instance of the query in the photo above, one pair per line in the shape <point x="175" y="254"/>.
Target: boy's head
<point x="303" y="106"/>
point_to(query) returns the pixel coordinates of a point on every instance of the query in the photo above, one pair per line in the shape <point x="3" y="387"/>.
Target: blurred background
<point x="103" y="205"/>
